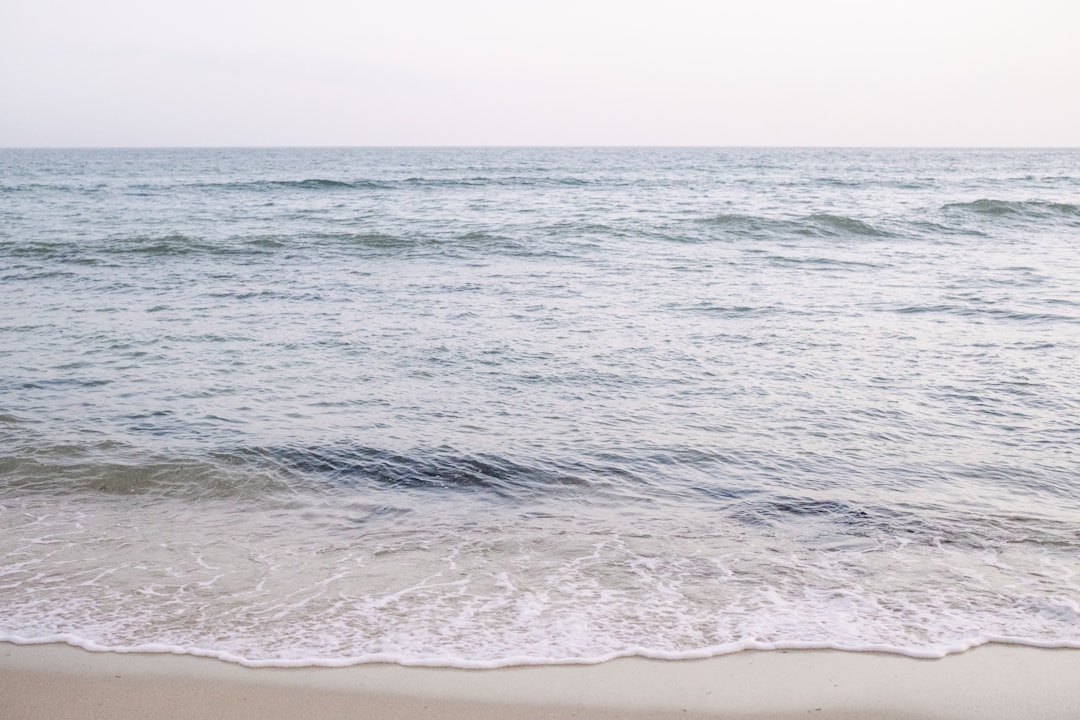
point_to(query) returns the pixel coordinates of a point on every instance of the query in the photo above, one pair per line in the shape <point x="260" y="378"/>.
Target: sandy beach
<point x="998" y="681"/>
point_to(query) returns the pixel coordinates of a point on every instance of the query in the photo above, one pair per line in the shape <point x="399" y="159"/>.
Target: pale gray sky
<point x="581" y="72"/>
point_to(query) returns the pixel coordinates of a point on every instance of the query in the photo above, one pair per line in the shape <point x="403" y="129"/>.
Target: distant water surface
<point x="476" y="407"/>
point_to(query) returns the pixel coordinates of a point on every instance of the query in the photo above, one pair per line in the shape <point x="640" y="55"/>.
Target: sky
<point x="583" y="72"/>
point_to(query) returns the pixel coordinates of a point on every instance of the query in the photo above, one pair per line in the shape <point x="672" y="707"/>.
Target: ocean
<point x="490" y="406"/>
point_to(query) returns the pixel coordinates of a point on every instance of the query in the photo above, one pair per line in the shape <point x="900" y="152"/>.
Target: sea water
<point x="476" y="407"/>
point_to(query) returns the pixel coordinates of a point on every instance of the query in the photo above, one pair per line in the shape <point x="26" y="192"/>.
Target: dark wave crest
<point x="993" y="313"/>
<point x="352" y="465"/>
<point x="815" y="225"/>
<point x="744" y="223"/>
<point x="105" y="252"/>
<point x="305" y="184"/>
<point x="836" y="225"/>
<point x="256" y="473"/>
<point x="165" y="245"/>
<point x="329" y="184"/>
<point x="999" y="208"/>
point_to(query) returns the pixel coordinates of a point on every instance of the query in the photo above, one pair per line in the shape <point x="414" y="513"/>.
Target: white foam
<point x="491" y="596"/>
<point x="450" y="661"/>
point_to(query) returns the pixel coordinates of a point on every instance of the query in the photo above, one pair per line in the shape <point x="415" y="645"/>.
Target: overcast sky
<point x="583" y="72"/>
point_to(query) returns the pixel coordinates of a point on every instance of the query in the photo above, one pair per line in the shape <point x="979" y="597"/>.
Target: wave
<point x="64" y="251"/>
<point x="744" y="222"/>
<point x="325" y="184"/>
<point x="508" y="180"/>
<point x="98" y="252"/>
<point x="828" y="224"/>
<point x="327" y="579"/>
<point x="350" y="465"/>
<point x="175" y="244"/>
<point x="371" y="240"/>
<point x="994" y="313"/>
<point x="254" y="472"/>
<point x="819" y="263"/>
<point x="111" y="251"/>
<point x="450" y="244"/>
<point x="999" y="208"/>
<point x="110" y="469"/>
<point x="815" y="225"/>
<point x="732" y="311"/>
<point x="32" y="462"/>
<point x="330" y="184"/>
<point x="321" y="184"/>
<point x="34" y="187"/>
<point x="313" y="184"/>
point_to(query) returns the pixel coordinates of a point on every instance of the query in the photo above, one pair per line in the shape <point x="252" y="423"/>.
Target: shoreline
<point x="993" y="681"/>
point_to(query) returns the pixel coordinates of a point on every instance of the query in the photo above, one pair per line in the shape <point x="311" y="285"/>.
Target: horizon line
<point x="538" y="147"/>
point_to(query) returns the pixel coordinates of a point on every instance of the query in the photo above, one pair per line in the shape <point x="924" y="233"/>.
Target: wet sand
<point x="992" y="682"/>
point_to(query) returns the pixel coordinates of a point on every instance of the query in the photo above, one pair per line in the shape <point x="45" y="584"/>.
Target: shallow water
<point x="481" y="406"/>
